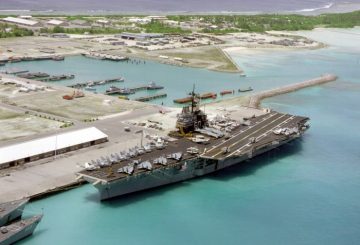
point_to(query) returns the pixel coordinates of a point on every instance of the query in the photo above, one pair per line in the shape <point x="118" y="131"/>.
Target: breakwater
<point x="257" y="98"/>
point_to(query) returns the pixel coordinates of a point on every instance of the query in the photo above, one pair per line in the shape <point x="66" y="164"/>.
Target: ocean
<point x="142" y="6"/>
<point x="304" y="193"/>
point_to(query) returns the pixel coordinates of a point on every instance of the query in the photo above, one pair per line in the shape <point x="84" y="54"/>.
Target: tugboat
<point x="153" y="86"/>
<point x="208" y="96"/>
<point x="11" y="211"/>
<point x="225" y="92"/>
<point x="18" y="230"/>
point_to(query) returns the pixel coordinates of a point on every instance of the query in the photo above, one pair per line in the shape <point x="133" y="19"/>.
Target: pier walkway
<point x="256" y="99"/>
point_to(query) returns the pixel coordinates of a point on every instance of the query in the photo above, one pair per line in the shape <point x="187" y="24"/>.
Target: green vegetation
<point x="7" y="30"/>
<point x="278" y="22"/>
<point x="158" y="27"/>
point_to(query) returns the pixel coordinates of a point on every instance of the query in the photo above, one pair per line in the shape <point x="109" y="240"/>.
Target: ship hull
<point x="184" y="170"/>
<point x="13" y="215"/>
<point x="28" y="230"/>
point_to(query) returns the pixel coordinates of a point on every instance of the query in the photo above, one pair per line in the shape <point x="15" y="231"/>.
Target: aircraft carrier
<point x="201" y="148"/>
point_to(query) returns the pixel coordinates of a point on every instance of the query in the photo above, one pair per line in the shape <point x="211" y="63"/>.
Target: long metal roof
<point x="48" y="144"/>
<point x="20" y="21"/>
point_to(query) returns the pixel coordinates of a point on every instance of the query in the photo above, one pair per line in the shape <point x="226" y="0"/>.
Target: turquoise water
<point x="303" y="193"/>
<point x="178" y="81"/>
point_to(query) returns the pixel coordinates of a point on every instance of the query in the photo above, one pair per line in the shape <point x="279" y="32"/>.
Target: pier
<point x="57" y="78"/>
<point x="151" y="97"/>
<point x="102" y="56"/>
<point x="94" y="83"/>
<point x="33" y="58"/>
<point x="126" y="91"/>
<point x="256" y="99"/>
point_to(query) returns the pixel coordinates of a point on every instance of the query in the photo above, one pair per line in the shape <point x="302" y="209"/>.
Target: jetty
<point x="125" y="91"/>
<point x="102" y="56"/>
<point x="256" y="99"/>
<point x="56" y="78"/>
<point x="133" y="90"/>
<point x="15" y="71"/>
<point x="34" y="75"/>
<point x="151" y="97"/>
<point x="33" y="58"/>
<point x="95" y="83"/>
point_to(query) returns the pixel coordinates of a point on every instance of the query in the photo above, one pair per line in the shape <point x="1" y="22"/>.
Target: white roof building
<point x="102" y="21"/>
<point x="49" y="144"/>
<point x="140" y="20"/>
<point x="55" y="22"/>
<point x="20" y="21"/>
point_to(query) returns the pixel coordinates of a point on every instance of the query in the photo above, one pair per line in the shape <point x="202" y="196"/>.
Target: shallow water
<point x="306" y="192"/>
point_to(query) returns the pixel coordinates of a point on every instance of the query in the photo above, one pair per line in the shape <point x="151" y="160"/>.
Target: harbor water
<point x="303" y="193"/>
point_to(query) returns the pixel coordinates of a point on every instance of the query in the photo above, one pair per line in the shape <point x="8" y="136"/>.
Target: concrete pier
<point x="255" y="100"/>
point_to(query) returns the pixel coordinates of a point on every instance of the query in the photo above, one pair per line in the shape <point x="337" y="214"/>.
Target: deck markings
<point x="251" y="134"/>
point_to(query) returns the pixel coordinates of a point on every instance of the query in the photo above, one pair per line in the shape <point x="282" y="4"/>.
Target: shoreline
<point x="65" y="179"/>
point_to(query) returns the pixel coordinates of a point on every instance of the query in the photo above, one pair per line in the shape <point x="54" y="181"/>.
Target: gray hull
<point x="184" y="170"/>
<point x="13" y="214"/>
<point x="20" y="234"/>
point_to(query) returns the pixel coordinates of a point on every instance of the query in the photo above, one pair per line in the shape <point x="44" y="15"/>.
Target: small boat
<point x="58" y="58"/>
<point x="14" y="60"/>
<point x="245" y="90"/>
<point x="226" y="92"/>
<point x="208" y="96"/>
<point x="10" y="211"/>
<point x="242" y="75"/>
<point x="153" y="86"/>
<point x="112" y="89"/>
<point x="19" y="230"/>
<point x="123" y="97"/>
<point x="125" y="91"/>
<point x="183" y="100"/>
<point x="89" y="88"/>
<point x="68" y="97"/>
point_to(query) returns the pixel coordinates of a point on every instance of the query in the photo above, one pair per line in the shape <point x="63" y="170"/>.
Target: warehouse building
<point x="23" y="22"/>
<point x="56" y="23"/>
<point x="53" y="145"/>
<point x="139" y="36"/>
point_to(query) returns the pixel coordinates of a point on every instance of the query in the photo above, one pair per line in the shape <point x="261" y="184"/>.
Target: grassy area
<point x="158" y="27"/>
<point x="208" y="57"/>
<point x="7" y="30"/>
<point x="278" y="22"/>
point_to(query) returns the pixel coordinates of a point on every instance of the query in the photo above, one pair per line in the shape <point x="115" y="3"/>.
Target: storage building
<point x="36" y="149"/>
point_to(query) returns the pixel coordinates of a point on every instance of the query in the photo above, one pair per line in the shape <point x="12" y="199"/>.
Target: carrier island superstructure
<point x="200" y="148"/>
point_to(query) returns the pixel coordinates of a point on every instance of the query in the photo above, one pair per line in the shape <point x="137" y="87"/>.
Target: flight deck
<point x="243" y="141"/>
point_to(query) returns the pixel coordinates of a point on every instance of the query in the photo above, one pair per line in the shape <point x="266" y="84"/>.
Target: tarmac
<point x="52" y="174"/>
